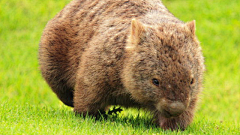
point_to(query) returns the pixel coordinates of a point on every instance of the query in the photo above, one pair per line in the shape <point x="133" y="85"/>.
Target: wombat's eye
<point x="155" y="82"/>
<point x="192" y="81"/>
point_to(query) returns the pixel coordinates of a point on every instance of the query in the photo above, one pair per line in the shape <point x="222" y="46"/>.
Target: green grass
<point x="28" y="106"/>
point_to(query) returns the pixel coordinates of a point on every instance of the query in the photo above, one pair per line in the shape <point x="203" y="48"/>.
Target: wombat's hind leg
<point x="63" y="92"/>
<point x="66" y="97"/>
<point x="56" y="71"/>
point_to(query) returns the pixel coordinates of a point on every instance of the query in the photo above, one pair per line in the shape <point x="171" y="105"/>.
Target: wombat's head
<point x="164" y="66"/>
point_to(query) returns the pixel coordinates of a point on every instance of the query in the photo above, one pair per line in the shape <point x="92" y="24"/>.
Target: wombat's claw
<point x="114" y="110"/>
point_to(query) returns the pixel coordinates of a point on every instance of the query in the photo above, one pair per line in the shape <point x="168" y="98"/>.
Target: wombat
<point x="132" y="53"/>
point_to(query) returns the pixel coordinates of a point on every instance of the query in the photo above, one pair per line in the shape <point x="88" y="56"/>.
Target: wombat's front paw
<point x="171" y="123"/>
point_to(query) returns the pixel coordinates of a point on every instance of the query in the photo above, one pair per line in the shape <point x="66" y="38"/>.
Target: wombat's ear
<point x="137" y="31"/>
<point x="136" y="34"/>
<point x="192" y="26"/>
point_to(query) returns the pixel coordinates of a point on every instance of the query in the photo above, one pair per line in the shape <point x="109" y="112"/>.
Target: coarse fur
<point x="132" y="53"/>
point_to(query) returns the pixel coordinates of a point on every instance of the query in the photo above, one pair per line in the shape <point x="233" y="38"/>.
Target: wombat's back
<point x="81" y="22"/>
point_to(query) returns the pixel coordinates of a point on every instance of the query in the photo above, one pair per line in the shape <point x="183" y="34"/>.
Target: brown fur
<point x="97" y="53"/>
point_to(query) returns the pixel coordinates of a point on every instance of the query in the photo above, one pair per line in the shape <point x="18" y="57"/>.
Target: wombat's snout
<point x="174" y="109"/>
<point x="171" y="108"/>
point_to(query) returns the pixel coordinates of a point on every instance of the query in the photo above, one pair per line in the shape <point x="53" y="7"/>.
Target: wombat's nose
<point x="175" y="108"/>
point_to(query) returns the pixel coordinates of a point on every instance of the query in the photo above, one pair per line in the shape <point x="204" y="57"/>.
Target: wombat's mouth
<point x="166" y="114"/>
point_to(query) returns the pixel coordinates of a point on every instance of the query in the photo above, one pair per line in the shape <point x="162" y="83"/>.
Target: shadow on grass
<point x="129" y="119"/>
<point x="138" y="122"/>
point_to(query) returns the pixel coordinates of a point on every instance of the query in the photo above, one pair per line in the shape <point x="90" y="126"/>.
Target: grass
<point x="27" y="105"/>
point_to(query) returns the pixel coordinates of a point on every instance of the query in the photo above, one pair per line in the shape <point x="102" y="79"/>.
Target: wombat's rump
<point x="132" y="53"/>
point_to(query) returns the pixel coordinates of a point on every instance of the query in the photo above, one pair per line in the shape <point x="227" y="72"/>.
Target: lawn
<point x="28" y="106"/>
